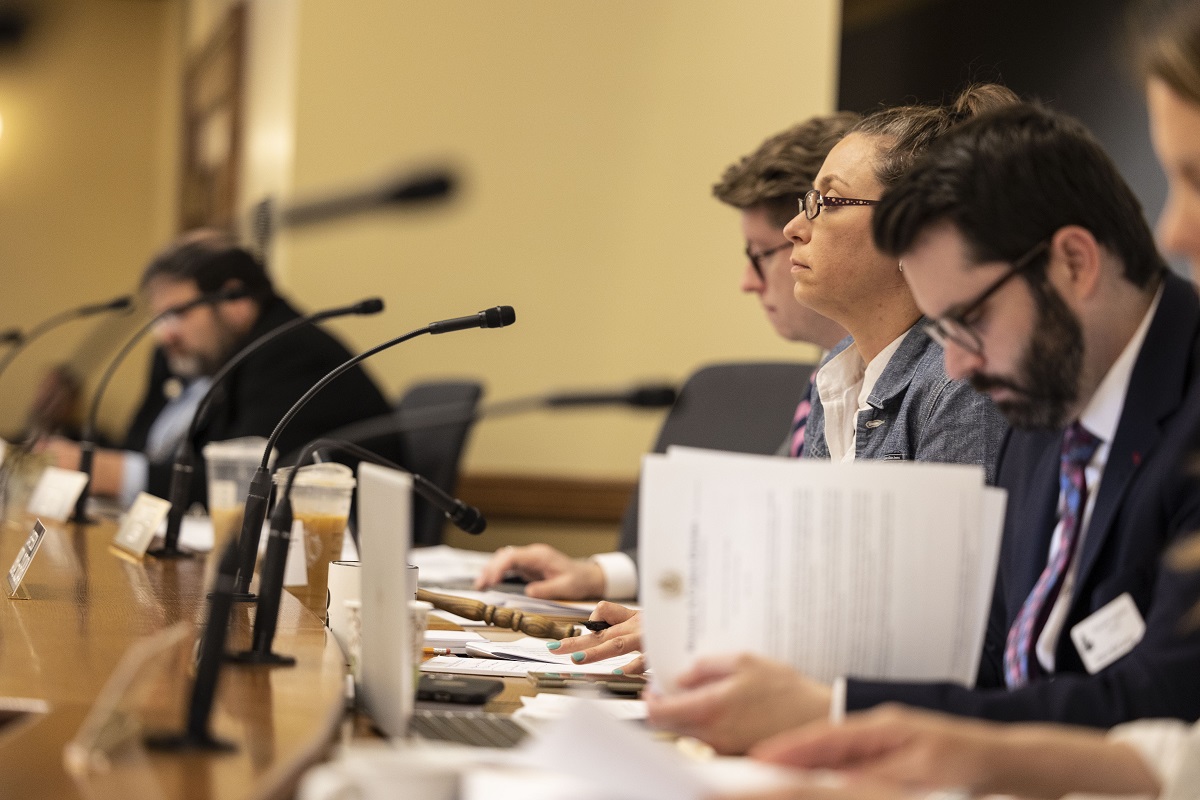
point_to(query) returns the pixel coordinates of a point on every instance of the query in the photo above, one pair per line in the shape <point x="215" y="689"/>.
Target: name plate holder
<point x="16" y="572"/>
<point x="112" y="731"/>
<point x="56" y="492"/>
<point x="140" y="524"/>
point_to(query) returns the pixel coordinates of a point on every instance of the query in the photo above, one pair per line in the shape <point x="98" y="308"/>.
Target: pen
<point x="437" y="651"/>
<point x="595" y="625"/>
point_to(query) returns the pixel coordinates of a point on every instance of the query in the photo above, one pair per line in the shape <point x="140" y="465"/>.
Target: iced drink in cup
<point x="321" y="503"/>
<point x="230" y="467"/>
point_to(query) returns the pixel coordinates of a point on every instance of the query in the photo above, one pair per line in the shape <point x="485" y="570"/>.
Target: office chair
<point x="740" y="407"/>
<point x="434" y="452"/>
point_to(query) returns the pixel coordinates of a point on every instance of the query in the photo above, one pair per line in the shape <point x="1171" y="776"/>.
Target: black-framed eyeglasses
<point x="811" y="203"/>
<point x="757" y="259"/>
<point x="954" y="327"/>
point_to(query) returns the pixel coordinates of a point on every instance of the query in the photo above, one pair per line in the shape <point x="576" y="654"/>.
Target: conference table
<point x="86" y="607"/>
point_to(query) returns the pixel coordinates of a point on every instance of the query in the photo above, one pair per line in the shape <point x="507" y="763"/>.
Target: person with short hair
<point x="193" y="345"/>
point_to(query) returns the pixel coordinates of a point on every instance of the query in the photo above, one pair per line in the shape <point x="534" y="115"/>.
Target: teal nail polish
<point x="618" y="671"/>
<point x="553" y="645"/>
<point x="577" y="657"/>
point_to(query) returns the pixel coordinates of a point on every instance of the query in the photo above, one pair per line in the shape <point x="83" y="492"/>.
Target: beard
<point x="1047" y="383"/>
<point x="194" y="364"/>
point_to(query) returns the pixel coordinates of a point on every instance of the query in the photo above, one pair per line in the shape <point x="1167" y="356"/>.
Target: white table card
<point x="141" y="522"/>
<point x="16" y="573"/>
<point x="56" y="492"/>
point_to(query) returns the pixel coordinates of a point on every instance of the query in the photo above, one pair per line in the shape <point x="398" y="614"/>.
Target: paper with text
<point x="867" y="570"/>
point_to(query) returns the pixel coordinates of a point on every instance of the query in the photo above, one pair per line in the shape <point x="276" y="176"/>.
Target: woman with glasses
<point x="883" y="393"/>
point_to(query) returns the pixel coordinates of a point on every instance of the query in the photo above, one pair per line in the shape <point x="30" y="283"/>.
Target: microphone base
<point x="83" y="519"/>
<point x="179" y="742"/>
<point x="255" y="657"/>
<point x="166" y="553"/>
<point x="239" y="597"/>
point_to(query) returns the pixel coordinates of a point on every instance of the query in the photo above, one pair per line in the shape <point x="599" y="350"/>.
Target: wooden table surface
<point x="86" y="607"/>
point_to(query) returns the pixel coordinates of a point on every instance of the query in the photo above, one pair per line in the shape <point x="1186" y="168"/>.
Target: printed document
<point x="868" y="570"/>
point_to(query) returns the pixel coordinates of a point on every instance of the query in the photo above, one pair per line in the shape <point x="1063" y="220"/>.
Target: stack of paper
<point x="872" y="569"/>
<point x="516" y="659"/>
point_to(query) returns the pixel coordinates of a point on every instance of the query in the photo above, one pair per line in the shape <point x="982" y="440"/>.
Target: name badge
<point x="16" y="573"/>
<point x="295" y="570"/>
<point x="141" y="523"/>
<point x="56" y="492"/>
<point x="1109" y="633"/>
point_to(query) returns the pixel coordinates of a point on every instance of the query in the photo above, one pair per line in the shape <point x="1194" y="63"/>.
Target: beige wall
<point x="88" y="159"/>
<point x="588" y="135"/>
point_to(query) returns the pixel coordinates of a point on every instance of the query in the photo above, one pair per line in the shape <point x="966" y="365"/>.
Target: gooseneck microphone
<point x="196" y="734"/>
<point x="12" y="336"/>
<point x="417" y="188"/>
<point x="466" y="518"/>
<point x="260" y="485"/>
<point x="185" y="452"/>
<point x="87" y="443"/>
<point x="648" y="396"/>
<point x="45" y="326"/>
<point x="266" y="614"/>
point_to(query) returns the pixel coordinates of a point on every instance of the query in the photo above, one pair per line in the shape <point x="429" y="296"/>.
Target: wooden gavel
<point x="532" y="624"/>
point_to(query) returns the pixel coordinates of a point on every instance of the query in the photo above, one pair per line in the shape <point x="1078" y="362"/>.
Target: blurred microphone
<point x="638" y="397"/>
<point x="11" y="336"/>
<point x="416" y="188"/>
<point x="185" y="452"/>
<point x="87" y="442"/>
<point x="260" y="485"/>
<point x="644" y="397"/>
<point x="266" y="614"/>
<point x="21" y="342"/>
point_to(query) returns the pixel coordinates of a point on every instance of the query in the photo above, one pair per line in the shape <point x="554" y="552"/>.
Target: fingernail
<point x="577" y="657"/>
<point x="553" y="645"/>
<point x="618" y="671"/>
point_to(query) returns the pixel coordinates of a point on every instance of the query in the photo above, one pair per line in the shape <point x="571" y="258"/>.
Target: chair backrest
<point x="740" y="407"/>
<point x="435" y="451"/>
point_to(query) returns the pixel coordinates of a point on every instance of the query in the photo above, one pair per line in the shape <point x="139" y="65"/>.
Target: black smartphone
<point x="455" y="689"/>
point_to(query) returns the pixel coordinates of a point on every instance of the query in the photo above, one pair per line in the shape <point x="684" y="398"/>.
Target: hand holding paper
<point x="734" y="701"/>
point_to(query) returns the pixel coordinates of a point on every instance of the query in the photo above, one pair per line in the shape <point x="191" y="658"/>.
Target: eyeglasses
<point x="954" y="327"/>
<point x="811" y="203"/>
<point x="757" y="259"/>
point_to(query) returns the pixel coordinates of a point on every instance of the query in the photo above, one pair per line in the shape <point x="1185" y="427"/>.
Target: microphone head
<point x="653" y="396"/>
<point x="372" y="305"/>
<point x="498" y="317"/>
<point x="470" y="520"/>
<point x="419" y="188"/>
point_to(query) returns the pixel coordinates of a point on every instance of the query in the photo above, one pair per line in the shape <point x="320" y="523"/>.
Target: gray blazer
<point x="917" y="413"/>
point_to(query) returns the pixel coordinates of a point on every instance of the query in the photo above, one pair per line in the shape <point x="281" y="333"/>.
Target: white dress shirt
<point x="844" y="383"/>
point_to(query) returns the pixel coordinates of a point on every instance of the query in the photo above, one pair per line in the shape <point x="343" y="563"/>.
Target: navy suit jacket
<point x="1147" y="500"/>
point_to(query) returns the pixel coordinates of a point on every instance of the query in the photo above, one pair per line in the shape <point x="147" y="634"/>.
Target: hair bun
<point x="980" y="98"/>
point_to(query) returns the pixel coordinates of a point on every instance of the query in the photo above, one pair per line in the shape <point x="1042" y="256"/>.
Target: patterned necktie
<point x="800" y="421"/>
<point x="1019" y="660"/>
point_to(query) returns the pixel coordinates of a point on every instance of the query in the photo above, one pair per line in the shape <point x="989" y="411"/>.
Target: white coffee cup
<point x="345" y="583"/>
